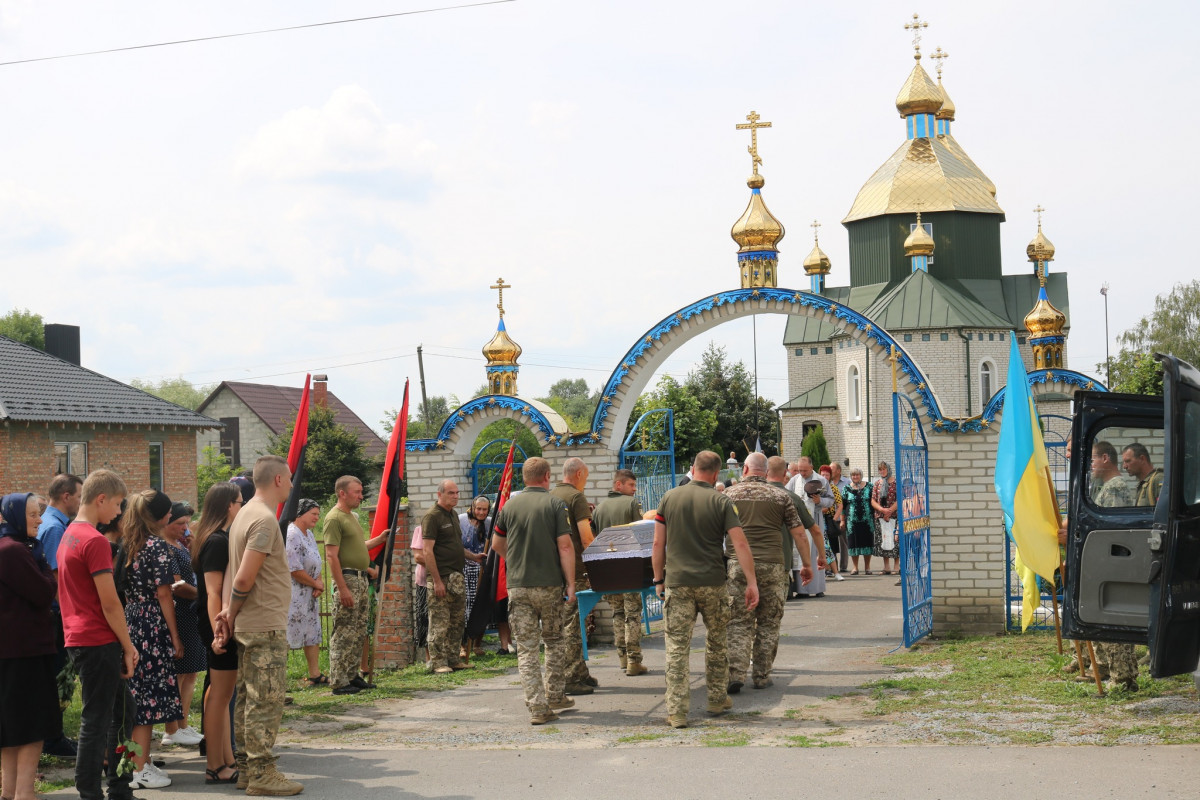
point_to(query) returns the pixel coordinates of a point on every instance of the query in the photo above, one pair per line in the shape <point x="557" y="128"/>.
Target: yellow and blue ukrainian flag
<point x="1024" y="487"/>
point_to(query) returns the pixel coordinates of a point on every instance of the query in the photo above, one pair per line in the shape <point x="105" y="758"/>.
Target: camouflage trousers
<point x="576" y="667"/>
<point x="1119" y="659"/>
<point x="535" y="616"/>
<point x="349" y="631"/>
<point x="627" y="625"/>
<point x="754" y="634"/>
<point x="261" y="684"/>
<point x="447" y="619"/>
<point x="680" y="606"/>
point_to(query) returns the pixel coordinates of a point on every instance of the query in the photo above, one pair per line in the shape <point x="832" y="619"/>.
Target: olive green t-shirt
<point x="806" y="521"/>
<point x="343" y="531"/>
<point x="697" y="518"/>
<point x="616" y="509"/>
<point x="763" y="510"/>
<point x="578" y="509"/>
<point x="531" y="524"/>
<point x="443" y="529"/>
<point x="266" y="607"/>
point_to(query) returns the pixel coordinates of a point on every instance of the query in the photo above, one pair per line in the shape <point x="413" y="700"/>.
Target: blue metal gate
<point x="1055" y="429"/>
<point x="649" y="450"/>
<point x="488" y="466"/>
<point x="912" y="519"/>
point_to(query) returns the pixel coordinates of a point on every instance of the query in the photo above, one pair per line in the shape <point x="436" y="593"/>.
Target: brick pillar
<point x="394" y="646"/>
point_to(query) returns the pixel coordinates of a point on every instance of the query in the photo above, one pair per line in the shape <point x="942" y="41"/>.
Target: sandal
<point x="854" y="572"/>
<point x="318" y="681"/>
<point x="212" y="776"/>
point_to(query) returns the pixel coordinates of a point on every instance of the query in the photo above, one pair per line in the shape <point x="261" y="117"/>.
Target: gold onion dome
<point x="919" y="94"/>
<point x="919" y="242"/>
<point x="1040" y="249"/>
<point x="756" y="229"/>
<point x="816" y="262"/>
<point x="946" y="112"/>
<point x="501" y="350"/>
<point x="1044" y="319"/>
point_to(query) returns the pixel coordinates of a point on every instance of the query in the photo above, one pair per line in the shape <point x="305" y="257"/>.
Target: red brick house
<point x="57" y="416"/>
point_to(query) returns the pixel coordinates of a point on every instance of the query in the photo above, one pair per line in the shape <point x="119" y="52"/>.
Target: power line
<point x="255" y="33"/>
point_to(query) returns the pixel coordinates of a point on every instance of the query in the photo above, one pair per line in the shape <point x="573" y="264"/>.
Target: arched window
<point x="987" y="382"/>
<point x="853" y="394"/>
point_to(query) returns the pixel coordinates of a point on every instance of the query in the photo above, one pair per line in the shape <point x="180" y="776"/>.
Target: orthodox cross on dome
<point x="753" y="125"/>
<point x="915" y="26"/>
<point x="500" y="285"/>
<point x="1039" y="211"/>
<point x="816" y="230"/>
<point x="939" y="55"/>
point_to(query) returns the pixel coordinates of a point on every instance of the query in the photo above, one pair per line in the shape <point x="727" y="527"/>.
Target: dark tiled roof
<point x="38" y="387"/>
<point x="276" y="406"/>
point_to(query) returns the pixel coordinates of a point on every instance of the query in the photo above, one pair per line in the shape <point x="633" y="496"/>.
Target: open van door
<point x="1174" y="631"/>
<point x="1110" y="565"/>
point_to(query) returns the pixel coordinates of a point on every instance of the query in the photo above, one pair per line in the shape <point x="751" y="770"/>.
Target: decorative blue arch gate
<point x="912" y="518"/>
<point x="488" y="466"/>
<point x="649" y="450"/>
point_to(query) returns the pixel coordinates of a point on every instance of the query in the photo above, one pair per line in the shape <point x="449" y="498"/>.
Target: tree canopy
<point x="333" y="451"/>
<point x="694" y="423"/>
<point x="570" y="398"/>
<point x="1170" y="328"/>
<point x="176" y="390"/>
<point x="727" y="389"/>
<point x="418" y="426"/>
<point x="815" y="448"/>
<point x="24" y="326"/>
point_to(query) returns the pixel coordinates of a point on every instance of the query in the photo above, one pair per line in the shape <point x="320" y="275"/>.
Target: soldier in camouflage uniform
<point x="256" y="616"/>
<point x="763" y="510"/>
<point x="533" y="535"/>
<point x="1111" y="490"/>
<point x="689" y="573"/>
<point x="579" y="513"/>
<point x="621" y="508"/>
<point x="445" y="557"/>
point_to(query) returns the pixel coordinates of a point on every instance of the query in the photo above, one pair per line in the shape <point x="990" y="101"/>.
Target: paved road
<point x="475" y="741"/>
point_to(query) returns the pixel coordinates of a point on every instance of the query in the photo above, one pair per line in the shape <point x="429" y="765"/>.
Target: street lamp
<point x="1107" y="359"/>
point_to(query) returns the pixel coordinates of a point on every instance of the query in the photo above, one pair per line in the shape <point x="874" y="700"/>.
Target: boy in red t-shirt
<point x="96" y="637"/>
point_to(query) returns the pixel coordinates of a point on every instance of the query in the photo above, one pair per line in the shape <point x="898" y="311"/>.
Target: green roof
<point x="920" y="301"/>
<point x="804" y="329"/>
<point x="823" y="395"/>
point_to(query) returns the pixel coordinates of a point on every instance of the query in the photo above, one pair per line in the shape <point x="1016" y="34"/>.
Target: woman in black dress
<point x="28" y="695"/>
<point x="184" y="591"/>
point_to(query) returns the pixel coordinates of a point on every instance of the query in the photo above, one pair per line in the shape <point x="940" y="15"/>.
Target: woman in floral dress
<point x="860" y="532"/>
<point x="150" y="614"/>
<point x="304" y="613"/>
<point x="883" y="503"/>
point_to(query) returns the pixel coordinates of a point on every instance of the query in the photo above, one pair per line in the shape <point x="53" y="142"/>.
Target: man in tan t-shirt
<point x="255" y="616"/>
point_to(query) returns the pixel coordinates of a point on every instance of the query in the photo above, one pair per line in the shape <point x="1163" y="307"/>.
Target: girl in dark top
<point x="210" y="557"/>
<point x="28" y="694"/>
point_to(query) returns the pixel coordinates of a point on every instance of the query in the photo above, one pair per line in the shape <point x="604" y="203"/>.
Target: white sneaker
<point x="149" y="777"/>
<point x="186" y="736"/>
<point x="156" y="769"/>
<point x="837" y="576"/>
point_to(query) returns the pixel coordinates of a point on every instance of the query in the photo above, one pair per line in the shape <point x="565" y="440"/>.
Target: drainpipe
<point x="967" y="341"/>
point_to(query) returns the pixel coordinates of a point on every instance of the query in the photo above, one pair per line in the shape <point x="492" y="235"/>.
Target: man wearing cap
<point x="346" y="554"/>
<point x="689" y="572"/>
<point x="621" y="508"/>
<point x="763" y="510"/>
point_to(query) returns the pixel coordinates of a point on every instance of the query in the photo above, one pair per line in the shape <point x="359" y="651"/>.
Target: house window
<point x="987" y="373"/>
<point x="991" y="337"/>
<point x="809" y="427"/>
<point x="853" y="393"/>
<point x="1002" y="337"/>
<point x="812" y="351"/>
<point x="945" y="337"/>
<point x="70" y="457"/>
<point x="908" y="337"/>
<point x="924" y="337"/>
<point x="799" y="352"/>
<point x="231" y="440"/>
<point x="829" y="350"/>
<point x="156" y="465"/>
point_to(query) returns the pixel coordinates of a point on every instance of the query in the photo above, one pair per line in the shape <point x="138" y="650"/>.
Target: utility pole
<point x="424" y="397"/>
<point x="1107" y="358"/>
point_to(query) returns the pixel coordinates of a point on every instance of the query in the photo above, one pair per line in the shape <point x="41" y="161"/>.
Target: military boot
<point x="635" y="668"/>
<point x="271" y="783"/>
<point x="722" y="708"/>
<point x="243" y="769"/>
<point x="624" y="658"/>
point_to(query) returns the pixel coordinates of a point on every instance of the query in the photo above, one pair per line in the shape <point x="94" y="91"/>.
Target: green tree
<point x="815" y="448"/>
<point x="570" y="398"/>
<point x="1170" y="328"/>
<point x="24" y="326"/>
<point x="727" y="390"/>
<point x="418" y="426"/>
<point x="214" y="467"/>
<point x="694" y="423"/>
<point x="333" y="451"/>
<point x="176" y="390"/>
<point x="504" y="429"/>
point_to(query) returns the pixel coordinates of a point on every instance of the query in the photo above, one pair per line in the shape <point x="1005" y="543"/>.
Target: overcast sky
<point x="259" y="207"/>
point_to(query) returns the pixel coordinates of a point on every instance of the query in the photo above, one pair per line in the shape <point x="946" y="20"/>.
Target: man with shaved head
<point x="445" y="558"/>
<point x="763" y="510"/>
<point x="579" y="514"/>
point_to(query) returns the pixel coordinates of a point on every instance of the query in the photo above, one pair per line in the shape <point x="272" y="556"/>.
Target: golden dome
<point x="1040" y="249"/>
<point x="501" y="350"/>
<point x="919" y="242"/>
<point x="1044" y="319"/>
<point x="919" y="94"/>
<point x="756" y="229"/>
<point x="947" y="110"/>
<point x="816" y="262"/>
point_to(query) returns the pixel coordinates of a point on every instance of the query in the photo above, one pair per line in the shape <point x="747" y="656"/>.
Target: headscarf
<point x="305" y="505"/>
<point x="179" y="509"/>
<point x="13" y="508"/>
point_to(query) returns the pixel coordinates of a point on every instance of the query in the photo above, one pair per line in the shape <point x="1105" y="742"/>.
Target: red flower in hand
<point x="120" y="748"/>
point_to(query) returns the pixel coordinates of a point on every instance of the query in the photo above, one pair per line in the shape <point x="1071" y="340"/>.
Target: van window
<point x="1126" y="466"/>
<point x="1191" y="454"/>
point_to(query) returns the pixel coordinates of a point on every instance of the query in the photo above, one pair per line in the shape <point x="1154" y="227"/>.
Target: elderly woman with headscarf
<point x="475" y="524"/>
<point x="28" y="694"/>
<point x="304" y="614"/>
<point x="883" y="504"/>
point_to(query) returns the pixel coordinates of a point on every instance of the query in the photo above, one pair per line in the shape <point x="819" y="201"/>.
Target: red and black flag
<point x="286" y="512"/>
<point x="493" y="578"/>
<point x="388" y="506"/>
<point x="506" y="484"/>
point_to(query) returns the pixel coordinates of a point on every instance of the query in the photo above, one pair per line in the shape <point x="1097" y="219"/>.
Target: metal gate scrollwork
<point x="912" y="521"/>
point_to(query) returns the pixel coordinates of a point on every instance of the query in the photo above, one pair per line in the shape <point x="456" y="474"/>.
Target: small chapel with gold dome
<point x="925" y="264"/>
